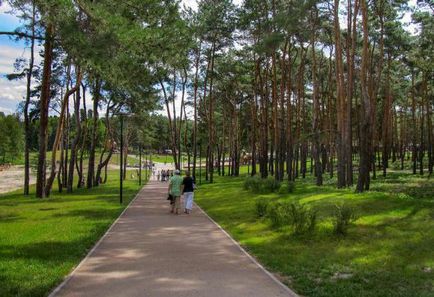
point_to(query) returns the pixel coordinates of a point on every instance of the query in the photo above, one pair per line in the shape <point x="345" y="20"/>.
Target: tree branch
<point x="21" y="35"/>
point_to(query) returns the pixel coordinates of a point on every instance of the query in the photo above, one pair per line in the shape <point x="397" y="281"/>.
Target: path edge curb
<point x="271" y="275"/>
<point x="92" y="250"/>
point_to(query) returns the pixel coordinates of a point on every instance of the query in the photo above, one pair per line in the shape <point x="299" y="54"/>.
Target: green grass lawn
<point x="42" y="240"/>
<point x="389" y="250"/>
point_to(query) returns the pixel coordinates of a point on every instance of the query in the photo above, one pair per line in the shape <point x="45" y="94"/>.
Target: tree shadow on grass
<point x="54" y="258"/>
<point x="93" y="214"/>
<point x="377" y="265"/>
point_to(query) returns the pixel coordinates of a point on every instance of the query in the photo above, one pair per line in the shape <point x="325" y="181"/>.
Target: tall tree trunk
<point x="211" y="129"/>
<point x="387" y="120"/>
<point x="316" y="109"/>
<point x="289" y="132"/>
<point x="365" y="133"/>
<point x="422" y="132"/>
<point x="172" y="124"/>
<point x="93" y="139"/>
<point x="341" y="102"/>
<point x="44" y="104"/>
<point x="59" y="131"/>
<point x="26" y="106"/>
<point x="75" y="142"/>
<point x="103" y="163"/>
<point x="196" y="75"/>
<point x="413" y="115"/>
<point x="66" y="147"/>
<point x="429" y="127"/>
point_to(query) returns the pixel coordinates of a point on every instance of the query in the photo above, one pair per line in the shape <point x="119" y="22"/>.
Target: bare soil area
<point x="13" y="179"/>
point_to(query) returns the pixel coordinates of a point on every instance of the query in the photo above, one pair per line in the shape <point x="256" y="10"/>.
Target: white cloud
<point x="8" y="54"/>
<point x="6" y="110"/>
<point x="12" y="92"/>
<point x="5" y="7"/>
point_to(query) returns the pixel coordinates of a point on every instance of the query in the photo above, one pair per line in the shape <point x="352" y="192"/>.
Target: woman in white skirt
<point x="188" y="191"/>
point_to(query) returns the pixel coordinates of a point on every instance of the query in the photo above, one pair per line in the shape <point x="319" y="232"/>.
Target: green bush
<point x="261" y="206"/>
<point x="270" y="185"/>
<point x="278" y="214"/>
<point x="258" y="185"/>
<point x="283" y="189"/>
<point x="253" y="184"/>
<point x="291" y="186"/>
<point x="344" y="215"/>
<point x="287" y="187"/>
<point x="300" y="218"/>
<point x="303" y="219"/>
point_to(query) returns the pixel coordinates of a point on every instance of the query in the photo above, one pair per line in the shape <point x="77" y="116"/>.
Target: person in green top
<point x="175" y="189"/>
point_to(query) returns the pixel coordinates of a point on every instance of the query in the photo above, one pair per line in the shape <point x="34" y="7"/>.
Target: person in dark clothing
<point x="188" y="191"/>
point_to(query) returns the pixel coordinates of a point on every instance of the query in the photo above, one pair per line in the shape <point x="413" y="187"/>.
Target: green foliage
<point x="291" y="186"/>
<point x="344" y="215"/>
<point x="299" y="217"/>
<point x="303" y="220"/>
<point x="253" y="184"/>
<point x="11" y="138"/>
<point x="258" y="185"/>
<point x="270" y="185"/>
<point x="261" y="206"/>
<point x="287" y="187"/>
<point x="277" y="214"/>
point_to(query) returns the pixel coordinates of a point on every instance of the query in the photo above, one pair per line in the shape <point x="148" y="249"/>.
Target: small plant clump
<point x="261" y="206"/>
<point x="344" y="215"/>
<point x="278" y="214"/>
<point x="300" y="218"/>
<point x="253" y="184"/>
<point x="259" y="185"/>
<point x="291" y="186"/>
<point x="287" y="187"/>
<point x="303" y="219"/>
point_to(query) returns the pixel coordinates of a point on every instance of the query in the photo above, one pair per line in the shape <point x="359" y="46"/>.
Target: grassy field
<point x="42" y="240"/>
<point x="388" y="250"/>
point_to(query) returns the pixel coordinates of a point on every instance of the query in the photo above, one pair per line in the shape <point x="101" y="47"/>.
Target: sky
<point x="12" y="92"/>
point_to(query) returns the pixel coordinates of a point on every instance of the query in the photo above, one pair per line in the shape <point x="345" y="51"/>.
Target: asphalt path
<point x="150" y="252"/>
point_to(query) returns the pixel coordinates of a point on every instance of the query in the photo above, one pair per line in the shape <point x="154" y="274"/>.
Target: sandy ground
<point x="149" y="252"/>
<point x="13" y="179"/>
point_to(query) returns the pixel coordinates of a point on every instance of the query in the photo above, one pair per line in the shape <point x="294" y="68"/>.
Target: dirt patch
<point x="13" y="179"/>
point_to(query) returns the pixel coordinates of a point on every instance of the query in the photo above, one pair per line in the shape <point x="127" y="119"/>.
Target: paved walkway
<point x="149" y="252"/>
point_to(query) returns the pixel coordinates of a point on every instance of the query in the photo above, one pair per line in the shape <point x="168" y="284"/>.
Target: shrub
<point x="283" y="189"/>
<point x="258" y="185"/>
<point x="287" y="187"/>
<point x="274" y="213"/>
<point x="344" y="215"/>
<point x="291" y="186"/>
<point x="303" y="219"/>
<point x="261" y="207"/>
<point x="253" y="183"/>
<point x="270" y="185"/>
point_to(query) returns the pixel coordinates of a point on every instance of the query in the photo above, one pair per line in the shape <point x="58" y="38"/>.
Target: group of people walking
<point x="181" y="186"/>
<point x="163" y="175"/>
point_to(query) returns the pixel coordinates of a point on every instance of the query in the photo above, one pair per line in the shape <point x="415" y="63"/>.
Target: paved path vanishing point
<point x="151" y="253"/>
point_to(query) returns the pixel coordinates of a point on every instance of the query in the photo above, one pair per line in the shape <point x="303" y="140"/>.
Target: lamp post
<point x="121" y="175"/>
<point x="200" y="164"/>
<point x="146" y="166"/>
<point x="121" y="169"/>
<point x="140" y="165"/>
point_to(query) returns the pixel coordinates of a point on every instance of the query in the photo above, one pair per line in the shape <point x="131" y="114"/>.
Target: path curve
<point x="149" y="252"/>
